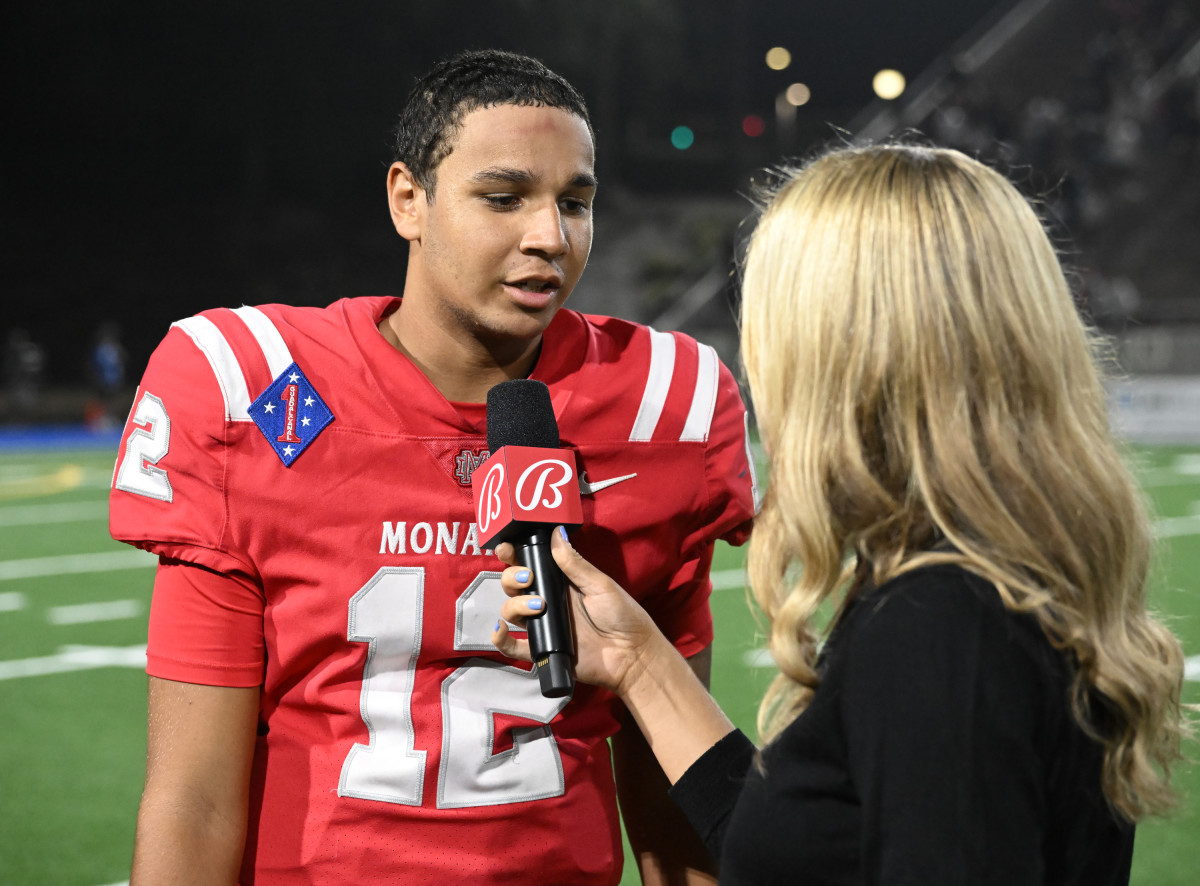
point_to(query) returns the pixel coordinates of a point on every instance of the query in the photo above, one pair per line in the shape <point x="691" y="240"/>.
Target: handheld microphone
<point x="526" y="488"/>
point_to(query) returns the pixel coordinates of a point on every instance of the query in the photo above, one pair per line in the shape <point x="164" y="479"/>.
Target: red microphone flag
<point x="522" y="485"/>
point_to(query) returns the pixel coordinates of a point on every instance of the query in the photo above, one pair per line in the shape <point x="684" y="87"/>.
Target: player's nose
<point x="546" y="232"/>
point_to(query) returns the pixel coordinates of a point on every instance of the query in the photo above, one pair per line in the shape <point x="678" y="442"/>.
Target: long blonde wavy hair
<point x="927" y="393"/>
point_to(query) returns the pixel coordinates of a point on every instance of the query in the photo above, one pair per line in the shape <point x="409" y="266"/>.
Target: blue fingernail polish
<point x="497" y="627"/>
<point x="562" y="532"/>
<point x="523" y="576"/>
<point x="535" y="603"/>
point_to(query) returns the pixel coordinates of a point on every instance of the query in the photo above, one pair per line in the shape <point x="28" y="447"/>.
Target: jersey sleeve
<point x="941" y="707"/>
<point x="729" y="500"/>
<point x="732" y="483"/>
<point x="681" y="611"/>
<point x="168" y="494"/>
<point x="205" y="627"/>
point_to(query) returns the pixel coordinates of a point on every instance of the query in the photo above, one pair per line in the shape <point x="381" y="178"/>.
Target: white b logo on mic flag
<point x="530" y="502"/>
<point x="489" y="497"/>
<point x="520" y="486"/>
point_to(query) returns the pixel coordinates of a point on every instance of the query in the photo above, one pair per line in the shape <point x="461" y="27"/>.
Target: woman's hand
<point x="619" y="647"/>
<point x="613" y="634"/>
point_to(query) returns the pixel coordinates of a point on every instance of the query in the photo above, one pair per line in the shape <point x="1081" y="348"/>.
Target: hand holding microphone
<point x="615" y="638"/>
<point x="526" y="488"/>
<point x="621" y="649"/>
<point x="523" y="492"/>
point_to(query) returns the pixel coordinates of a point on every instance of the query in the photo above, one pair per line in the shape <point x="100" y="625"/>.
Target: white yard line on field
<point x="75" y="658"/>
<point x="22" y="481"/>
<point x="1183" y="471"/>
<point x="35" y="515"/>
<point x="73" y="564"/>
<point x="1188" y="463"/>
<point x="1167" y="527"/>
<point x="724" y="579"/>
<point x="1157" y="478"/>
<point x="98" y="478"/>
<point x="12" y="602"/>
<point x="87" y="613"/>
<point x="1170" y="527"/>
<point x="1191" y="669"/>
<point x="758" y="658"/>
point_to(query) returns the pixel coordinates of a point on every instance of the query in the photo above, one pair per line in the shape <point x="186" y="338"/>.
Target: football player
<point x="325" y="704"/>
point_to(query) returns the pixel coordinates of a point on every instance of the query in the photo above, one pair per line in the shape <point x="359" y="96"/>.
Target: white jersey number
<point x="145" y="449"/>
<point x="386" y="614"/>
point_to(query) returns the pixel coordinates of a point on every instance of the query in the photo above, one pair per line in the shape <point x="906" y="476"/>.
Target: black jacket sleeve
<point x="709" y="789"/>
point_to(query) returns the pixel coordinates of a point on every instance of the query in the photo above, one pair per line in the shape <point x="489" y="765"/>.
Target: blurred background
<point x="159" y="159"/>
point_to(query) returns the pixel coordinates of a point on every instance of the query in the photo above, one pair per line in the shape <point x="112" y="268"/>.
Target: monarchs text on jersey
<point x="309" y="466"/>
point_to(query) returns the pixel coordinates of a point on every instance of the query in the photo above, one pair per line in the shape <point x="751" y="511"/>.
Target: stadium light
<point x="778" y="58"/>
<point x="798" y="94"/>
<point x="888" y="84"/>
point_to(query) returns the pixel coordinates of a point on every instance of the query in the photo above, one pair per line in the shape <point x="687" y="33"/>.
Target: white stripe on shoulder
<point x="704" y="399"/>
<point x="754" y="492"/>
<point x="273" y="346"/>
<point x="212" y="344"/>
<point x="658" y="383"/>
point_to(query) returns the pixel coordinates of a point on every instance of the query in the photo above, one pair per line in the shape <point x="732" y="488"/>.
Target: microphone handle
<point x="551" y="644"/>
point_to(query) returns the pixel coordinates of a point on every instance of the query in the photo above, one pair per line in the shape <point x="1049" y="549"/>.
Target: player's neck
<point x="463" y="369"/>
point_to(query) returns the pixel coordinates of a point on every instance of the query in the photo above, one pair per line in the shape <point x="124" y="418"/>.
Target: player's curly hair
<point x="424" y="135"/>
<point x="927" y="393"/>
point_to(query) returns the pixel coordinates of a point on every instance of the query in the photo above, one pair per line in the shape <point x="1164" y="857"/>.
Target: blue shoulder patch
<point x="291" y="414"/>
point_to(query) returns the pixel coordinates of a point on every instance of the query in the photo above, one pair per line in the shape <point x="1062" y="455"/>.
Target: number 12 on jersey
<point x="386" y="614"/>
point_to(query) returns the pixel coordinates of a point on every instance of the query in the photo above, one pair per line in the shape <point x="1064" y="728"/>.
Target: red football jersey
<point x="295" y="452"/>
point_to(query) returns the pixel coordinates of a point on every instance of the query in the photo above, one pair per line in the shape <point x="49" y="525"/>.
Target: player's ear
<point x="406" y="201"/>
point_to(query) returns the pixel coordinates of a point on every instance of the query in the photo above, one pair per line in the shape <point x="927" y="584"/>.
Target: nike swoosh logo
<point x="586" y="488"/>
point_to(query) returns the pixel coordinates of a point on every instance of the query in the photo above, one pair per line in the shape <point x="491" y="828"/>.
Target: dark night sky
<point x="141" y="139"/>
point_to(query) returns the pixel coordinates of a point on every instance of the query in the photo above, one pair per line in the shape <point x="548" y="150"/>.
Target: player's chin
<point x="525" y="321"/>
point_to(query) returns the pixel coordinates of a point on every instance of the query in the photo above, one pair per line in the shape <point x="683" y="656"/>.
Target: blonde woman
<point x="992" y="702"/>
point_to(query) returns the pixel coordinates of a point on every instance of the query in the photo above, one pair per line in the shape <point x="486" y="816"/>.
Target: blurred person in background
<point x="106" y="375"/>
<point x="991" y="701"/>
<point x="24" y="363"/>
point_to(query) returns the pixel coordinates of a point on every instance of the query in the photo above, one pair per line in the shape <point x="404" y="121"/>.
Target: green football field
<point x="73" y="607"/>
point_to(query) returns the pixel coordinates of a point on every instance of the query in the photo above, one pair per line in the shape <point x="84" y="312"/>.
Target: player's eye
<point x="502" y="201"/>
<point x="576" y="205"/>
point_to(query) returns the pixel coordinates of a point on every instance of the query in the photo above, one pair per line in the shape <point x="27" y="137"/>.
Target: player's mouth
<point x="534" y="292"/>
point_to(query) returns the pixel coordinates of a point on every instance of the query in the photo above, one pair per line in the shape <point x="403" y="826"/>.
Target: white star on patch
<point x="293" y="377"/>
<point x="287" y="450"/>
<point x="306" y="421"/>
<point x="309" y="401"/>
<point x="269" y="407"/>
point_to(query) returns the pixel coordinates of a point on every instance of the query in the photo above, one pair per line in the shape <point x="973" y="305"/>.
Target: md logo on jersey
<point x="467" y="462"/>
<point x="291" y="414"/>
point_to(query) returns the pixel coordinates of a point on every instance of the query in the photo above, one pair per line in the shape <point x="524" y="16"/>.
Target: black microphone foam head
<point x="519" y="413"/>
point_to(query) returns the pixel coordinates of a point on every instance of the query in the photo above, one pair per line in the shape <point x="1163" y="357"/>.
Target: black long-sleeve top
<point x="939" y="748"/>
